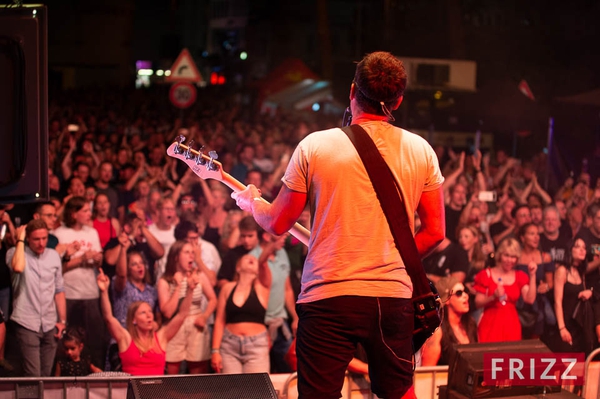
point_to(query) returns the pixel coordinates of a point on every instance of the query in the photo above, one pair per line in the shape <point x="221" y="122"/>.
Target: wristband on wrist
<point x="23" y="241"/>
<point x="215" y="350"/>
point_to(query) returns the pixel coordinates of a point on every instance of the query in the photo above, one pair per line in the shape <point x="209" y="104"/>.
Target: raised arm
<point x="121" y="269"/>
<point x="120" y="334"/>
<point x="529" y="291"/>
<point x="17" y="263"/>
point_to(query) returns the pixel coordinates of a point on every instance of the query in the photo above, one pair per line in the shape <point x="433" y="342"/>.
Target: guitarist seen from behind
<point x="355" y="287"/>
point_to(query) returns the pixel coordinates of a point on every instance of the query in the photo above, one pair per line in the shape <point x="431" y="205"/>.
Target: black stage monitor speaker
<point x="23" y="103"/>
<point x="465" y="371"/>
<point x="207" y="386"/>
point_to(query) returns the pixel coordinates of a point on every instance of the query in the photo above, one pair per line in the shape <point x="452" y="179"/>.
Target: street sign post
<point x="182" y="95"/>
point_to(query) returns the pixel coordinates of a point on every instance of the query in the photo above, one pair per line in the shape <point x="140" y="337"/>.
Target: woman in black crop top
<point x="240" y="341"/>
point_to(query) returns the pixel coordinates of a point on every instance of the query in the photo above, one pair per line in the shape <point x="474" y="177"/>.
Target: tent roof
<point x="289" y="72"/>
<point x="301" y="94"/>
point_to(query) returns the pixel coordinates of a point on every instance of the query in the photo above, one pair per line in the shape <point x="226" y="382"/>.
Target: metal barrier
<point x="591" y="384"/>
<point x="438" y="375"/>
<point x="103" y="386"/>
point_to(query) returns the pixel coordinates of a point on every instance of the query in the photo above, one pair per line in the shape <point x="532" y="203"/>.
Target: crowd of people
<point x="137" y="265"/>
<point x="524" y="266"/>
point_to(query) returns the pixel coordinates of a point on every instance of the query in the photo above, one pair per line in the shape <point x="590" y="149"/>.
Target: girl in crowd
<point x="469" y="238"/>
<point x="498" y="290"/>
<point x="458" y="327"/>
<point x="240" y="341"/>
<point x="141" y="343"/>
<point x="106" y="226"/>
<point x="73" y="364"/>
<point x="529" y="238"/>
<point x="192" y="342"/>
<point x="131" y="282"/>
<point x="569" y="289"/>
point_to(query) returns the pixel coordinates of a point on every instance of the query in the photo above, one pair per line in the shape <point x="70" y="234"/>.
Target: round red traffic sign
<point x="182" y="94"/>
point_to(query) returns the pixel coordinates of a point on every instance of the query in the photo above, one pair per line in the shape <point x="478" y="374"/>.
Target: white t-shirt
<point x="80" y="283"/>
<point x="210" y="255"/>
<point x="351" y="249"/>
<point x="166" y="238"/>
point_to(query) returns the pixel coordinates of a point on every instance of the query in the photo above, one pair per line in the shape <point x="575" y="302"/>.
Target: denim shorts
<point x="245" y="354"/>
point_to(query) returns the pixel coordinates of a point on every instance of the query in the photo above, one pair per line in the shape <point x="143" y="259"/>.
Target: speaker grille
<point x="209" y="386"/>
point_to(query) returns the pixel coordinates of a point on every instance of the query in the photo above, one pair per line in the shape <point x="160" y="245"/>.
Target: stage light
<point x="316" y="107"/>
<point x="243" y="55"/>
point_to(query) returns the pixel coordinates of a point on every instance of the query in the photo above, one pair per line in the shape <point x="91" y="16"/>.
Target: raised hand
<point x="103" y="281"/>
<point x="532" y="268"/>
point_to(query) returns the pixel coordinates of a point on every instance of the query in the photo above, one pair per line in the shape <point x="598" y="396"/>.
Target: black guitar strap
<point x="390" y="197"/>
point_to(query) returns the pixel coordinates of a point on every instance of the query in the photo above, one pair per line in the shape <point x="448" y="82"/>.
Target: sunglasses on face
<point x="460" y="293"/>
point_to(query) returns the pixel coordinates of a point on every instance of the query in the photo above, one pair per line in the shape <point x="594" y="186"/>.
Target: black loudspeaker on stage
<point x="23" y="103"/>
<point x="206" y="386"/>
<point x="466" y="372"/>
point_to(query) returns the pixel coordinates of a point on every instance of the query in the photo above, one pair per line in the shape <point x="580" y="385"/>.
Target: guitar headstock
<point x="204" y="166"/>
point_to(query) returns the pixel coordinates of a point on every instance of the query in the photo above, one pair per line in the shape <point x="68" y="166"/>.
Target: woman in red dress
<point x="497" y="291"/>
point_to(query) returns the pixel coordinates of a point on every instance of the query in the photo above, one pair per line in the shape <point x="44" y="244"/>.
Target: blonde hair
<point x="509" y="246"/>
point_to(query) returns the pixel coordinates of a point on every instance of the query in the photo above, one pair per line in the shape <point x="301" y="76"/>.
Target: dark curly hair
<point x="379" y="77"/>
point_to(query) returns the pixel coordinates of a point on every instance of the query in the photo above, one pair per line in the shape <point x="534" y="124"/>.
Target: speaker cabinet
<point x="23" y="103"/>
<point x="466" y="368"/>
<point x="206" y="386"/>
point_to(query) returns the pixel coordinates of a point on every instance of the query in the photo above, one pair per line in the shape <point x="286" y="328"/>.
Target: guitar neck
<point x="297" y="230"/>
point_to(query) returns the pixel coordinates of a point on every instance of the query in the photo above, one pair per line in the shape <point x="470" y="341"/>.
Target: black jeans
<point x="329" y="331"/>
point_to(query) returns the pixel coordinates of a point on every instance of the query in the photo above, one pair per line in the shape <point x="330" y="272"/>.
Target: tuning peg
<point x="211" y="164"/>
<point x="188" y="152"/>
<point x="199" y="158"/>
<point x="180" y="139"/>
